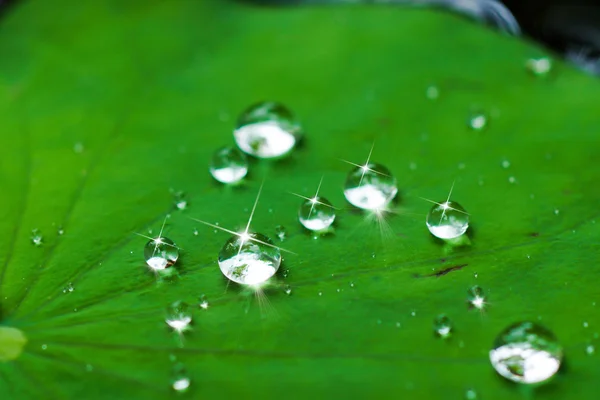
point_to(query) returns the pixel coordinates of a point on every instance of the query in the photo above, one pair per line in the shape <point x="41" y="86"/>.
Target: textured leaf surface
<point x="107" y="105"/>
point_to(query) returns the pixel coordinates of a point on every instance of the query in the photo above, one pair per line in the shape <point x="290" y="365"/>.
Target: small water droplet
<point x="179" y="199"/>
<point x="556" y="211"/>
<point x="160" y="253"/>
<point x="413" y="313"/>
<point x="539" y="66"/>
<point x="351" y="284"/>
<point x="228" y="165"/>
<point x="505" y="164"/>
<point x="203" y="303"/>
<point x="267" y="130"/>
<point x="179" y="316"/>
<point x="412" y="166"/>
<point x="44" y="346"/>
<point x="442" y="326"/>
<point x="462" y="165"/>
<point x="475" y="275"/>
<point x="36" y="237"/>
<point x="69" y="288"/>
<point x="280" y="232"/>
<point x="470" y="394"/>
<point x="89" y="367"/>
<point x="249" y="259"/>
<point x="195" y="232"/>
<point x="181" y="381"/>
<point x="78" y="148"/>
<point x="432" y="92"/>
<point x="589" y="350"/>
<point x="476" y="297"/>
<point x="526" y="353"/>
<point x="512" y="180"/>
<point x="287" y="290"/>
<point x="320" y="293"/>
<point x="478" y="121"/>
<point x="316" y="214"/>
<point x="447" y="220"/>
<point x="370" y="187"/>
<point x="398" y="325"/>
<point x="585" y="324"/>
<point x="60" y="231"/>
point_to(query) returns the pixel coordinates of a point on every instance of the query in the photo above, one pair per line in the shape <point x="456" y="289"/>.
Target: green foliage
<point x="106" y="105"/>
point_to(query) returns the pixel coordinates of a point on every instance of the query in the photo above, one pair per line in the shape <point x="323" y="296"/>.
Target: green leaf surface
<point x="107" y="105"/>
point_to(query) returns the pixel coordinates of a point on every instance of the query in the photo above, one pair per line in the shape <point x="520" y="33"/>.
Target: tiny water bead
<point x="477" y="121"/>
<point x="370" y="187"/>
<point x="442" y="326"/>
<point x="267" y="130"/>
<point x="36" y="237"/>
<point x="476" y="297"/>
<point x="280" y="232"/>
<point x="447" y="220"/>
<point x="249" y="258"/>
<point x="526" y="353"/>
<point x="316" y="214"/>
<point x="539" y="66"/>
<point x="228" y="165"/>
<point x="179" y="199"/>
<point x="179" y="316"/>
<point x="160" y="253"/>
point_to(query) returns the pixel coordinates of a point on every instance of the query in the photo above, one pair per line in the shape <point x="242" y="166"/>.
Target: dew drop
<point x="370" y="187"/>
<point x="195" y="232"/>
<point x="280" y="232"/>
<point x="179" y="316"/>
<point x="69" y="288"/>
<point x="539" y="66"/>
<point x="320" y="293"/>
<point x="512" y="180"/>
<point x="556" y="211"/>
<point x="351" y="284"/>
<point x="44" y="347"/>
<point x="160" y="253"/>
<point x="181" y="381"/>
<point x="432" y="92"/>
<point x="585" y="324"/>
<point x="470" y="394"/>
<point x="447" y="220"/>
<point x="287" y="289"/>
<point x="60" y="231"/>
<point x="476" y="297"/>
<point x="36" y="238"/>
<point x="267" y="130"/>
<point x="526" y="353"/>
<point x="203" y="304"/>
<point x="228" y="165"/>
<point x="249" y="259"/>
<point x="505" y="164"/>
<point x="589" y="350"/>
<point x="316" y="214"/>
<point x="179" y="200"/>
<point x="442" y="326"/>
<point x="478" y="121"/>
<point x="413" y="313"/>
<point x="78" y="148"/>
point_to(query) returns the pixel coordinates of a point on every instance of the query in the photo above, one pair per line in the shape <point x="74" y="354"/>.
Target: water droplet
<point x="505" y="164"/>
<point x="589" y="350"/>
<point x="526" y="353"/>
<point x="398" y="325"/>
<point x="44" y="347"/>
<point x="181" y="381"/>
<point x="370" y="187"/>
<point x="585" y="324"/>
<point x="316" y="214"/>
<point x="267" y="130"/>
<point x="287" y="290"/>
<point x="60" y="231"/>
<point x="89" y="367"/>
<point x="470" y="394"/>
<point x="478" y="121"/>
<point x="447" y="220"/>
<point x="512" y="179"/>
<point x="78" y="148"/>
<point x="36" y="237"/>
<point x="228" y="165"/>
<point x="160" y="253"/>
<point x="249" y="259"/>
<point x="280" y="232"/>
<point x="195" y="232"/>
<point x="320" y="293"/>
<point x="179" y="316"/>
<point x="179" y="200"/>
<point x="442" y="326"/>
<point x="432" y="92"/>
<point x="413" y="313"/>
<point x="476" y="297"/>
<point x="539" y="66"/>
<point x="203" y="303"/>
<point x="412" y="166"/>
<point x="69" y="288"/>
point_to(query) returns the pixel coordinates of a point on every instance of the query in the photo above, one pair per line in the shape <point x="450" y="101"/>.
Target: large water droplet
<point x="526" y="353"/>
<point x="179" y="316"/>
<point x="370" y="187"/>
<point x="36" y="237"/>
<point x="160" y="253"/>
<point x="249" y="259"/>
<point x="476" y="297"/>
<point x="267" y="130"/>
<point x="442" y="326"/>
<point x="316" y="214"/>
<point x="228" y="165"/>
<point x="447" y="220"/>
